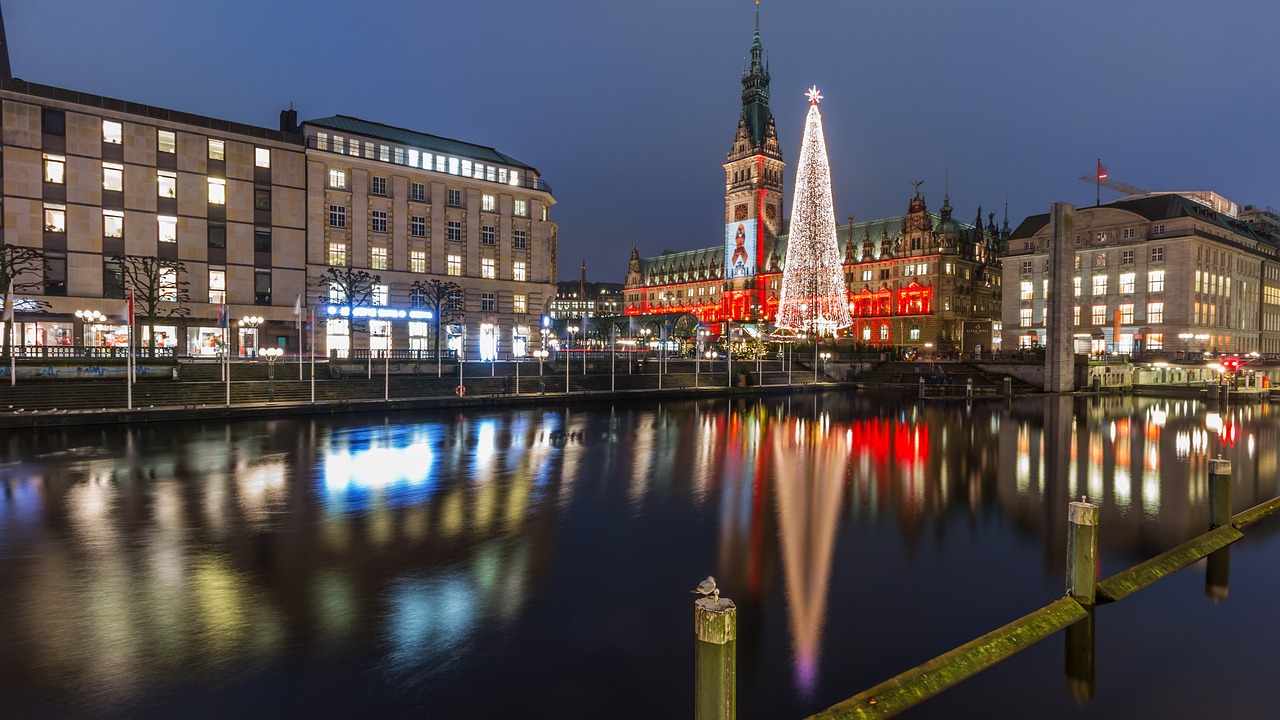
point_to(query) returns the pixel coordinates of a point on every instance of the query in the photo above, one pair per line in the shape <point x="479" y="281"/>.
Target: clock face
<point x="771" y="211"/>
<point x="739" y="213"/>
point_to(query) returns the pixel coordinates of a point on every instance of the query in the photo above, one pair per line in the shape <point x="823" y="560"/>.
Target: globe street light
<point x="251" y="322"/>
<point x="271" y="354"/>
<point x="90" y="317"/>
<point x="571" y="330"/>
<point x="825" y="357"/>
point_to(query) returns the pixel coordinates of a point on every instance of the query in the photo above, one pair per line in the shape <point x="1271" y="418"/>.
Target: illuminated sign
<point x="381" y="313"/>
<point x="740" y="249"/>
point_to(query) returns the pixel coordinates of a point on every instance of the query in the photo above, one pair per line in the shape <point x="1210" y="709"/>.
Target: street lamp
<point x="90" y="318"/>
<point x="271" y="354"/>
<point x="251" y="322"/>
<point x="825" y="357"/>
<point x="570" y="331"/>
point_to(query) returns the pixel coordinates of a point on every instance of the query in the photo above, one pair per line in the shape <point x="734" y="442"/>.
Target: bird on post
<point x="707" y="588"/>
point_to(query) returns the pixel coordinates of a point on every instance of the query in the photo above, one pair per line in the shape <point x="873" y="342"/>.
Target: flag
<point x="8" y="304"/>
<point x="297" y="311"/>
<point x="131" y="309"/>
<point x="222" y="315"/>
<point x="1102" y="172"/>
<point x="126" y="310"/>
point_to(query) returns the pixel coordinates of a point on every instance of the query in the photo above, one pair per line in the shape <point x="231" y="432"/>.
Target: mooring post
<point x="968" y="388"/>
<point x="715" y="623"/>
<point x="1082" y="551"/>
<point x="921" y="387"/>
<point x="1219" y="492"/>
<point x="1008" y="387"/>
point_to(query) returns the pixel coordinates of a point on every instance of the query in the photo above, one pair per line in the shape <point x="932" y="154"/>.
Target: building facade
<point x="1164" y="272"/>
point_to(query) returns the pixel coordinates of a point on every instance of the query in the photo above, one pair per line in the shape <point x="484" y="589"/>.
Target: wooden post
<point x="1082" y="551"/>
<point x="715" y="623"/>
<point x="1219" y="492"/>
<point x="1080" y="657"/>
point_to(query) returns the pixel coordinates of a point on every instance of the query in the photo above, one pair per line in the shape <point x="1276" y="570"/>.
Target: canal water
<point x="538" y="562"/>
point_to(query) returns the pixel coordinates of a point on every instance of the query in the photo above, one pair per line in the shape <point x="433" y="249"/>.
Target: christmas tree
<point x="813" y="291"/>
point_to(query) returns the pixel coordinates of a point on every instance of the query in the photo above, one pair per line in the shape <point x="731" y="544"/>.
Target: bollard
<point x="715" y="623"/>
<point x="921" y="387"/>
<point x="1082" y="551"/>
<point x="1219" y="492"/>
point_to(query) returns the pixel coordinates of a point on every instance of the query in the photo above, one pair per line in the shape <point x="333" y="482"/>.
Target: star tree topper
<point x="813" y="94"/>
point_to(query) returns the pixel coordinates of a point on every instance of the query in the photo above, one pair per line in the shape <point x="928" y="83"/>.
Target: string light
<point x="813" y="291"/>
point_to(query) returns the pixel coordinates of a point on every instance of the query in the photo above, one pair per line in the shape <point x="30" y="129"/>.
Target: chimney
<point x="289" y="120"/>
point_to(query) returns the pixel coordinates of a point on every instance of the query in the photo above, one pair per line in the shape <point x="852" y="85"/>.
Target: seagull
<point x="707" y="588"/>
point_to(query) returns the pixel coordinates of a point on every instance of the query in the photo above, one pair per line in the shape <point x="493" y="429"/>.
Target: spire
<point x="755" y="91"/>
<point x="946" y="195"/>
<point x="7" y="71"/>
<point x="1004" y="229"/>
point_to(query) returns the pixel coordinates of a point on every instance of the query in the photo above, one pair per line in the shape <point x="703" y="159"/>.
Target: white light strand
<point x="814" y="299"/>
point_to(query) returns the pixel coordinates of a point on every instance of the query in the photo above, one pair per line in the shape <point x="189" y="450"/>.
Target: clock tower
<point x="752" y="196"/>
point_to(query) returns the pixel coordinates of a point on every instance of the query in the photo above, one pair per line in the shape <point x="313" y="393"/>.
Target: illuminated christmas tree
<point x="813" y="292"/>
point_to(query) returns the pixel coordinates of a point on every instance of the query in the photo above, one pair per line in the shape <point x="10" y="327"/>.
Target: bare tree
<point x="349" y="288"/>
<point x="21" y="268"/>
<point x="444" y="299"/>
<point x="160" y="289"/>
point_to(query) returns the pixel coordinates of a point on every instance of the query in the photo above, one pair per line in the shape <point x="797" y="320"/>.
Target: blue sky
<point x="628" y="109"/>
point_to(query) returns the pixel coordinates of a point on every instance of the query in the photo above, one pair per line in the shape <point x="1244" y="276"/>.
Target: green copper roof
<point x="425" y="141"/>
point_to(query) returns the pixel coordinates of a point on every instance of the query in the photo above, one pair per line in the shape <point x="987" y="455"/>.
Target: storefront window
<point x="47" y="334"/>
<point x="520" y="342"/>
<point x="106" y="335"/>
<point x="248" y="342"/>
<point x="488" y="342"/>
<point x="204" y="341"/>
<point x="420" y="336"/>
<point x="337" y="337"/>
<point x="379" y="335"/>
<point x="166" y="336"/>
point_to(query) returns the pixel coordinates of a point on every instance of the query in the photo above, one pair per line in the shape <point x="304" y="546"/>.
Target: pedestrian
<point x="506" y="384"/>
<point x="542" y="388"/>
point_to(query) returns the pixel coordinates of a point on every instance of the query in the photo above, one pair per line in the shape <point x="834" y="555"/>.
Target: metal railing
<point x="75" y="352"/>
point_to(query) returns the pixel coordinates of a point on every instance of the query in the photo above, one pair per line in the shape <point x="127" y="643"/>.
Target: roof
<point x="1154" y="208"/>
<point x="426" y="141"/>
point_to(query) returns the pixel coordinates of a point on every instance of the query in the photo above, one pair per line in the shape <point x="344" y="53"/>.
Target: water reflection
<point x="136" y="559"/>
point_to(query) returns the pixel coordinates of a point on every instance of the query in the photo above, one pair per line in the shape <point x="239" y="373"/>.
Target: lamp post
<point x="251" y="323"/>
<point x="271" y="354"/>
<point x="570" y="331"/>
<point x="90" y="318"/>
<point x="825" y="357"/>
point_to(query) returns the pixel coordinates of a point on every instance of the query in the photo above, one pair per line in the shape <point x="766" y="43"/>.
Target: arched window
<point x="884" y="333"/>
<point x="914" y="332"/>
<point x="866" y="333"/>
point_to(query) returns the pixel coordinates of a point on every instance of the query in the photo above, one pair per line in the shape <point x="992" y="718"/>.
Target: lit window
<point x="381" y="294"/>
<point x="914" y="332"/>
<point x="166" y="141"/>
<point x="337" y="254"/>
<point x="168" y="226"/>
<point x="112" y="132"/>
<point x="399" y="156"/>
<point x="262" y="157"/>
<point x="217" y="191"/>
<point x="338" y="216"/>
<point x="1126" y="313"/>
<point x="1027" y="289"/>
<point x="217" y="150"/>
<point x="168" y="284"/>
<point x="418" y="261"/>
<point x="1099" y="284"/>
<point x="322" y="141"/>
<point x="1099" y="314"/>
<point x="1155" y="281"/>
<point x="519" y="239"/>
<point x="1024" y="317"/>
<point x="1126" y="282"/>
<point x="337" y="179"/>
<point x="378" y="258"/>
<point x="379" y="185"/>
<point x="488" y="203"/>
<point x="1155" y="341"/>
<point x="418" y="226"/>
<point x="884" y="333"/>
<point x="418" y="192"/>
<point x="1155" y="313"/>
<point x="1076" y="282"/>
<point x="384" y="153"/>
<point x="866" y="276"/>
<point x="55" y="218"/>
<point x="112" y="177"/>
<point x="488" y="234"/>
<point x="336" y="294"/>
<point x="455" y="230"/>
<point x="1099" y="260"/>
<point x="166" y="184"/>
<point x="519" y="272"/>
<point x="55" y="169"/>
<point x="466" y="168"/>
<point x="112" y="224"/>
<point x="455" y="198"/>
<point x="521" y="208"/>
<point x="502" y="175"/>
<point x="454" y="265"/>
<point x="488" y="268"/>
<point x="217" y="286"/>
<point x="866" y="334"/>
<point x="1075" y="315"/>
<point x="378" y="221"/>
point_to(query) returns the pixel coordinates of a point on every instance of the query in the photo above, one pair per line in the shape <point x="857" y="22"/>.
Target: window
<point x="1126" y="257"/>
<point x="1077" y="265"/>
<point x="1126" y="282"/>
<point x="217" y="191"/>
<point x="488" y="235"/>
<point x="112" y="224"/>
<point x="378" y="258"/>
<point x="1024" y="317"/>
<point x="381" y="294"/>
<point x="488" y="268"/>
<point x="262" y="157"/>
<point x="418" y="261"/>
<point x="453" y="265"/>
<point x="1127" y="234"/>
<point x="1155" y="281"/>
<point x="1099" y="285"/>
<point x="487" y="303"/>
<point x="1126" y="313"/>
<point x="55" y="271"/>
<point x="112" y="279"/>
<point x="399" y="156"/>
<point x="1099" y="260"/>
<point x="1157" y="254"/>
<point x="488" y="203"/>
<point x="519" y="304"/>
<point x="261" y="287"/>
<point x="262" y="240"/>
<point x="866" y="276"/>
<point x="1076" y="283"/>
<point x="336" y="254"/>
<point x="1026" y="267"/>
<point x="166" y="141"/>
<point x="55" y="169"/>
<point x="418" y="192"/>
<point x="1155" y="341"/>
<point x="337" y="216"/>
<point x="217" y="286"/>
<point x="1155" y="313"/>
<point x="337" y="179"/>
<point x="168" y="286"/>
<point x="217" y="150"/>
<point x="418" y="226"/>
<point x="1099" y="314"/>
<point x="112" y="132"/>
<point x="217" y="235"/>
<point x="336" y="294"/>
<point x="1100" y="237"/>
<point x="262" y="198"/>
<point x="521" y="208"/>
<point x="378" y="221"/>
<point x="1075" y="315"/>
<point x="168" y="226"/>
<point x="519" y="271"/>
<point x="379" y="185"/>
<point x="55" y="218"/>
<point x="519" y="239"/>
<point x="1157" y="230"/>
<point x="1027" y="289"/>
<point x="417" y="298"/>
<point x="1028" y="246"/>
<point x="455" y="230"/>
<point x="455" y="198"/>
<point x="166" y="184"/>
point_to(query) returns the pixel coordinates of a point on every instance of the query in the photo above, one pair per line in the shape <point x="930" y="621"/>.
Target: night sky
<point x="628" y="108"/>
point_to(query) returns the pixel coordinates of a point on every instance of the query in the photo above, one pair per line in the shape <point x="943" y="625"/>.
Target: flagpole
<point x="312" y="326"/>
<point x="297" y="318"/>
<point x="1097" y="201"/>
<point x="128" y="374"/>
